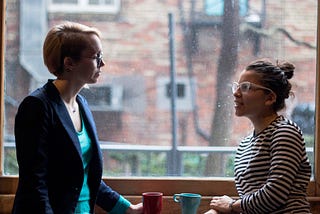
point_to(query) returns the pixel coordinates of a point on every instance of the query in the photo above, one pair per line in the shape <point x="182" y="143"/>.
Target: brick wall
<point x="135" y="44"/>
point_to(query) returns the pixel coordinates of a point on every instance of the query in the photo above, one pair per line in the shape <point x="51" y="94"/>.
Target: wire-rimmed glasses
<point x="98" y="58"/>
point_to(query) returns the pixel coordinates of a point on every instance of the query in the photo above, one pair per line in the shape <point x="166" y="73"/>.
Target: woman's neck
<point x="260" y="123"/>
<point x="67" y="93"/>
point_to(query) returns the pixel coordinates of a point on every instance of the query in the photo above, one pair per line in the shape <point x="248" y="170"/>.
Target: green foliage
<point x="230" y="166"/>
<point x="309" y="140"/>
<point x="193" y="164"/>
<point x="10" y="162"/>
<point x="121" y="163"/>
<point x="135" y="163"/>
<point x="154" y="164"/>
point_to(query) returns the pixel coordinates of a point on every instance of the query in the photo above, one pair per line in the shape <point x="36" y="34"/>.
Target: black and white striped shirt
<point x="272" y="170"/>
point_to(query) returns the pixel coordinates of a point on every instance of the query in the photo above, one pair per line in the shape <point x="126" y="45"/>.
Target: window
<point x="78" y="6"/>
<point x="180" y="90"/>
<point x="104" y="98"/>
<point x="215" y="7"/>
<point x="141" y="147"/>
<point x="183" y="93"/>
<point x="132" y="107"/>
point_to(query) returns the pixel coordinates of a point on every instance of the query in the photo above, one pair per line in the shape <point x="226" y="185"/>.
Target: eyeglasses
<point x="246" y="86"/>
<point x="98" y="58"/>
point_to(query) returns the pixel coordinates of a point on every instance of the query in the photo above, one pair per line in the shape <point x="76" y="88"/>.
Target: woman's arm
<point x="113" y="202"/>
<point x="31" y="133"/>
<point x="225" y="204"/>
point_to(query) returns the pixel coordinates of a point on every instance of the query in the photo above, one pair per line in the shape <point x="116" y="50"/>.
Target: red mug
<point x="152" y="202"/>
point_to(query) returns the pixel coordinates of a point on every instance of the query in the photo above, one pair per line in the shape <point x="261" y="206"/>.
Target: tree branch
<point x="272" y="31"/>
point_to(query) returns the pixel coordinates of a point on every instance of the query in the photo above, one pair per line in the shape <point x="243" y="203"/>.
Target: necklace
<point x="71" y="108"/>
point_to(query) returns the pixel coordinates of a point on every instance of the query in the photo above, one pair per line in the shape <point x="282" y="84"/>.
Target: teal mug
<point x="189" y="202"/>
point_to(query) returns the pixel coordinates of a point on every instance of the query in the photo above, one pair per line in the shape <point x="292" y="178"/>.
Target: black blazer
<point x="49" y="156"/>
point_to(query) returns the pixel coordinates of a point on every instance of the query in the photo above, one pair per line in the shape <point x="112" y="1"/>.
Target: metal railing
<point x="177" y="156"/>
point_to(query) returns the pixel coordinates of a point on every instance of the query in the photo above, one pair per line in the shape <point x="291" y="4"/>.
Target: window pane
<point x="143" y="131"/>
<point x="97" y="2"/>
<point x="215" y="7"/>
<point x="65" y="1"/>
<point x="94" y="1"/>
<point x="102" y="7"/>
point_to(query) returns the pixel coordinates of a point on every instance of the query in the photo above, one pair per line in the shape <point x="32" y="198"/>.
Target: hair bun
<point x="287" y="68"/>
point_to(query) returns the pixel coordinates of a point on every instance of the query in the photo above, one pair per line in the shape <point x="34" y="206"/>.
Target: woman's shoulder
<point x="40" y="96"/>
<point x="283" y="122"/>
<point x="287" y="130"/>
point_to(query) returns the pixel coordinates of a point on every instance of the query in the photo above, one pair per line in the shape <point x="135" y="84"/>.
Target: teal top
<point x="83" y="205"/>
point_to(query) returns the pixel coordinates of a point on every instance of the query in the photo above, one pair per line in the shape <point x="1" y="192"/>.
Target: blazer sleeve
<point x="31" y="134"/>
<point x="107" y="197"/>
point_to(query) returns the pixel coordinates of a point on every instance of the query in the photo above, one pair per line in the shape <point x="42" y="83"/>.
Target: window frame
<point x="83" y="6"/>
<point x="134" y="186"/>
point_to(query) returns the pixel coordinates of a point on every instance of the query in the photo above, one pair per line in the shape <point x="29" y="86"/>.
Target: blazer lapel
<point x="63" y="115"/>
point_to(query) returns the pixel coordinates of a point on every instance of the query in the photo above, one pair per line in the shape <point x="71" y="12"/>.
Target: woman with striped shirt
<point x="272" y="170"/>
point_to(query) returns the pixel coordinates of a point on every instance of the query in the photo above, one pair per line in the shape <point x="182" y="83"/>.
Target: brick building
<point x="136" y="49"/>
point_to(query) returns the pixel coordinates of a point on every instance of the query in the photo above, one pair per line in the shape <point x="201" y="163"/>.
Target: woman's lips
<point x="237" y="103"/>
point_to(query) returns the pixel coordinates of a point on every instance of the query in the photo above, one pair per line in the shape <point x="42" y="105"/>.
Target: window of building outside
<point x="83" y="6"/>
<point x="156" y="105"/>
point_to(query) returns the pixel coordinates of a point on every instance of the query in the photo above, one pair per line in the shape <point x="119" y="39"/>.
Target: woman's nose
<point x="102" y="63"/>
<point x="237" y="93"/>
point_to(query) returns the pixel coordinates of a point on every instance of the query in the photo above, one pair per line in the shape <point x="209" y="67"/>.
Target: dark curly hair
<point x="276" y="77"/>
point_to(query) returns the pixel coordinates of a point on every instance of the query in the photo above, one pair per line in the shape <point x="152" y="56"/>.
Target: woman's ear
<point x="271" y="98"/>
<point x="68" y="64"/>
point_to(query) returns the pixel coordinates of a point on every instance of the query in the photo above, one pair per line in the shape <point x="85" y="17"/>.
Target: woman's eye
<point x="243" y="87"/>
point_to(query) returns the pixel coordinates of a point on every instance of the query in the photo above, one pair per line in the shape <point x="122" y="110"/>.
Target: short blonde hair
<point x="68" y="39"/>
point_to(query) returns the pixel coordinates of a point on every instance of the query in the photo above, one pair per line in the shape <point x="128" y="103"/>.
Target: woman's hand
<point x="135" y="209"/>
<point x="221" y="204"/>
<point x="211" y="212"/>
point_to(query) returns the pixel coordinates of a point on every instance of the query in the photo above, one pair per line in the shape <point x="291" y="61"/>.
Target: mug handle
<point x="176" y="198"/>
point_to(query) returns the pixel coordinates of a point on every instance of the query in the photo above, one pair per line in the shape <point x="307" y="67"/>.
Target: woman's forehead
<point x="94" y="44"/>
<point x="250" y="76"/>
